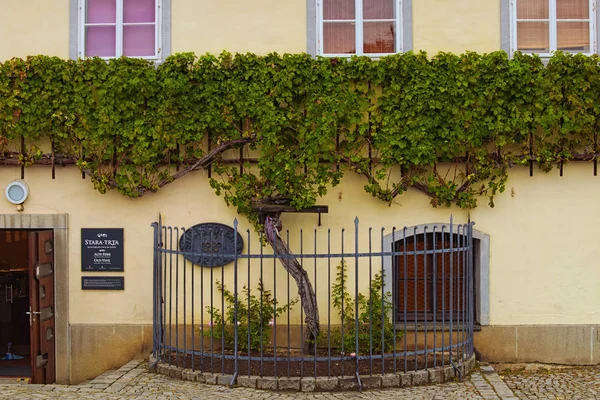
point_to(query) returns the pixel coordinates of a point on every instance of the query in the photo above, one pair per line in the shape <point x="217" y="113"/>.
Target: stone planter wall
<point x="413" y="378"/>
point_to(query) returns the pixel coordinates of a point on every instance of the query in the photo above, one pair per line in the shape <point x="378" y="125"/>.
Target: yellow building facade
<point x="541" y="302"/>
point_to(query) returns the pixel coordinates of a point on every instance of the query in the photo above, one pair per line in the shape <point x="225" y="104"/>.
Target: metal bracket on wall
<point x="264" y="209"/>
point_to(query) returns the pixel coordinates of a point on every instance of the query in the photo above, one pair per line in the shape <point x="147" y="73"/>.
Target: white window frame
<point x="81" y="25"/>
<point x="399" y="39"/>
<point x="552" y="20"/>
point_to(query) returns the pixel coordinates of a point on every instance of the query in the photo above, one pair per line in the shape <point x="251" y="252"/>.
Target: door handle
<point x="31" y="314"/>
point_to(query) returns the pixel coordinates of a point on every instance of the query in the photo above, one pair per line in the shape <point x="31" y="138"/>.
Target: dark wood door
<point x="41" y="311"/>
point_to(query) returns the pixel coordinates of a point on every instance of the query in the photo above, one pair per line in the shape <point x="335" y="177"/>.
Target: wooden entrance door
<point x="41" y="310"/>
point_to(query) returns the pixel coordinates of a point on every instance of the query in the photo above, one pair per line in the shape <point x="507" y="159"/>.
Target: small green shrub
<point x="255" y="314"/>
<point x="374" y="305"/>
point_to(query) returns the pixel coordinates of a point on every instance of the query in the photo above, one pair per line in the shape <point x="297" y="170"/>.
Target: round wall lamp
<point x="16" y="192"/>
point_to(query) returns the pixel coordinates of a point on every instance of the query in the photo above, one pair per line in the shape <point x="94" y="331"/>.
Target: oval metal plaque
<point x="210" y="244"/>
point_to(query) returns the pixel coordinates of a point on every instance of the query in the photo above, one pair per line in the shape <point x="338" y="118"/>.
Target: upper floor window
<point x="545" y="26"/>
<point x="115" y="28"/>
<point x="361" y="27"/>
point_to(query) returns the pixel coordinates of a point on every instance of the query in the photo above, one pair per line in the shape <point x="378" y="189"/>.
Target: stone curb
<point x="322" y="384"/>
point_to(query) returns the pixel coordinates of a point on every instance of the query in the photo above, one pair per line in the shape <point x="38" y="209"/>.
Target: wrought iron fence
<point x="399" y="300"/>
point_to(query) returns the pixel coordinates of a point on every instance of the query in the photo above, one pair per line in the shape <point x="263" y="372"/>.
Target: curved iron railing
<point x="403" y="301"/>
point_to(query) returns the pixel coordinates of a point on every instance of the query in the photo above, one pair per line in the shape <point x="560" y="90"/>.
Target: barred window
<point x="433" y="279"/>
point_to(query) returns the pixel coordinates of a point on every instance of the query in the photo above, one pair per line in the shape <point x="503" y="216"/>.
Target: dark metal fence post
<point x="289" y="328"/>
<point x="342" y="355"/>
<point x="435" y="299"/>
<point x="425" y="283"/>
<point x="451" y="286"/>
<point x="301" y="304"/>
<point x="235" y="302"/>
<point x="405" y="290"/>
<point x="356" y="352"/>
<point x="223" y="312"/>
<point x="443" y="293"/>
<point x="185" y="349"/>
<point x="163" y="294"/>
<point x="316" y="297"/>
<point x="371" y="304"/>
<point x="261" y="309"/>
<point x="201" y="327"/>
<point x="471" y="281"/>
<point x="329" y="302"/>
<point x="416" y="294"/>
<point x="170" y="294"/>
<point x="463" y="291"/>
<point x="248" y="322"/>
<point x="155" y="293"/>
<point x="394" y="298"/>
<point x="176" y="230"/>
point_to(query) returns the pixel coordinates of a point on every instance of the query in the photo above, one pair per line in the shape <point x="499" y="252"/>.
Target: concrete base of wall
<point x="97" y="348"/>
<point x="554" y="344"/>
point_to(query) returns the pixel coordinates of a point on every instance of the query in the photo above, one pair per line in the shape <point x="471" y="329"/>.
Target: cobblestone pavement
<point x="539" y="382"/>
<point x="133" y="381"/>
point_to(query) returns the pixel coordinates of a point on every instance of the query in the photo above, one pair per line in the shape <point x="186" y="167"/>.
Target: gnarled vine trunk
<point x="305" y="288"/>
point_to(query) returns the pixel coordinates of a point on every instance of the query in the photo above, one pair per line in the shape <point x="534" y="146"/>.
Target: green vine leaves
<point x="450" y="126"/>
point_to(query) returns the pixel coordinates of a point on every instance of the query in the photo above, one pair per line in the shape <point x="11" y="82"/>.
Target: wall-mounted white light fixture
<point x="16" y="192"/>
